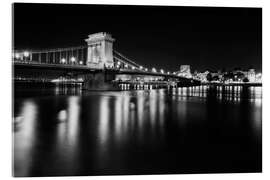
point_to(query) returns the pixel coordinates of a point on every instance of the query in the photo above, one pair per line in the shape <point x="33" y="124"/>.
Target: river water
<point x="66" y="131"/>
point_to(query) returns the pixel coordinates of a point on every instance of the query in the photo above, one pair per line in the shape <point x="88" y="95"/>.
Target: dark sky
<point x="163" y="37"/>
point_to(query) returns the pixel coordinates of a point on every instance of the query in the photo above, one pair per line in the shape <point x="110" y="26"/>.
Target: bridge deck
<point x="85" y="68"/>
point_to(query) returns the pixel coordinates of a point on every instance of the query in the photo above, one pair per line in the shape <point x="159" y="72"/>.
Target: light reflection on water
<point x="138" y="132"/>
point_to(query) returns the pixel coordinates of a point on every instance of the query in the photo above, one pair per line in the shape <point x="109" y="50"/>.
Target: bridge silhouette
<point x="97" y="63"/>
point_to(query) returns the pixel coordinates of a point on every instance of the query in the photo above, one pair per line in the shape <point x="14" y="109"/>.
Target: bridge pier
<point x="101" y="80"/>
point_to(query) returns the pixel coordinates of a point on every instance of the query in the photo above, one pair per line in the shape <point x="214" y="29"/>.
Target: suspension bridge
<point x="96" y="64"/>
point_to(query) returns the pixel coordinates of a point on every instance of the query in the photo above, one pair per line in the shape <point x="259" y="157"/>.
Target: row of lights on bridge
<point x="145" y="69"/>
<point x="26" y="54"/>
<point x="73" y="60"/>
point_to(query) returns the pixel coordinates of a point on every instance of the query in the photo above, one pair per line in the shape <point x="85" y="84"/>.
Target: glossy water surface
<point x="66" y="131"/>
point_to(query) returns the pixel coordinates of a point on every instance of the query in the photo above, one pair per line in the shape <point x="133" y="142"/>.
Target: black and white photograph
<point x="105" y="89"/>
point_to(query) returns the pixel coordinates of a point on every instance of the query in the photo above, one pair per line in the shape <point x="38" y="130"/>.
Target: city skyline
<point x="205" y="38"/>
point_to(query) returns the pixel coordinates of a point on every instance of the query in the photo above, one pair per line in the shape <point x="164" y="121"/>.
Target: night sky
<point x="154" y="36"/>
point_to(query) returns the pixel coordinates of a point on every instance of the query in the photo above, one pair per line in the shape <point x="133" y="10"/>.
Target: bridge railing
<point x="71" y="55"/>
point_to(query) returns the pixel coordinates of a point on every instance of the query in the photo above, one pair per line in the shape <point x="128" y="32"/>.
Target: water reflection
<point x="103" y="120"/>
<point x="140" y="131"/>
<point x="25" y="137"/>
<point x="229" y="93"/>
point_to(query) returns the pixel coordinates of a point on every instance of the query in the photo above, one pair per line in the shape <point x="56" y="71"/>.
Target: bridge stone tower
<point x="100" y="50"/>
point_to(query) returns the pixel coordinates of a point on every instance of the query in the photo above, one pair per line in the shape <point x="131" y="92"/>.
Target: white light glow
<point x="17" y="55"/>
<point x="72" y="59"/>
<point x="25" y="138"/>
<point x="26" y="53"/>
<point x="63" y="60"/>
<point x="103" y="120"/>
<point x="73" y="115"/>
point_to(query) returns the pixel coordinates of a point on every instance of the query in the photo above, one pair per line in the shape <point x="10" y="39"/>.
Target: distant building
<point x="259" y="78"/>
<point x="202" y="76"/>
<point x="185" y="71"/>
<point x="251" y="75"/>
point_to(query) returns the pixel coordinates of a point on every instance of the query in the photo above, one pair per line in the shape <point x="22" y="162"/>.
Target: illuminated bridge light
<point x="63" y="60"/>
<point x="174" y="73"/>
<point x="133" y="67"/>
<point x="126" y="66"/>
<point x="17" y="55"/>
<point x="80" y="62"/>
<point x="141" y="67"/>
<point x="118" y="63"/>
<point x="162" y="71"/>
<point x="168" y="72"/>
<point x="26" y="53"/>
<point x="154" y="70"/>
<point x="72" y="59"/>
<point x="146" y="69"/>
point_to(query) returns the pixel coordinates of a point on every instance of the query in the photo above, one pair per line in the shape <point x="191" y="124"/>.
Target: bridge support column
<point x="101" y="80"/>
<point x="47" y="57"/>
<point x="39" y="57"/>
<point x="100" y="50"/>
<point x="54" y="57"/>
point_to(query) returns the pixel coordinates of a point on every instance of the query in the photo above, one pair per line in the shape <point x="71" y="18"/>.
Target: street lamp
<point x="72" y="59"/>
<point x="63" y="60"/>
<point x="17" y="55"/>
<point x="26" y="54"/>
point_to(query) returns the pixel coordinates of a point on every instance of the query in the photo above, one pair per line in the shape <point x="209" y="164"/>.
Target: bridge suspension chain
<point x="59" y="49"/>
<point x="125" y="59"/>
